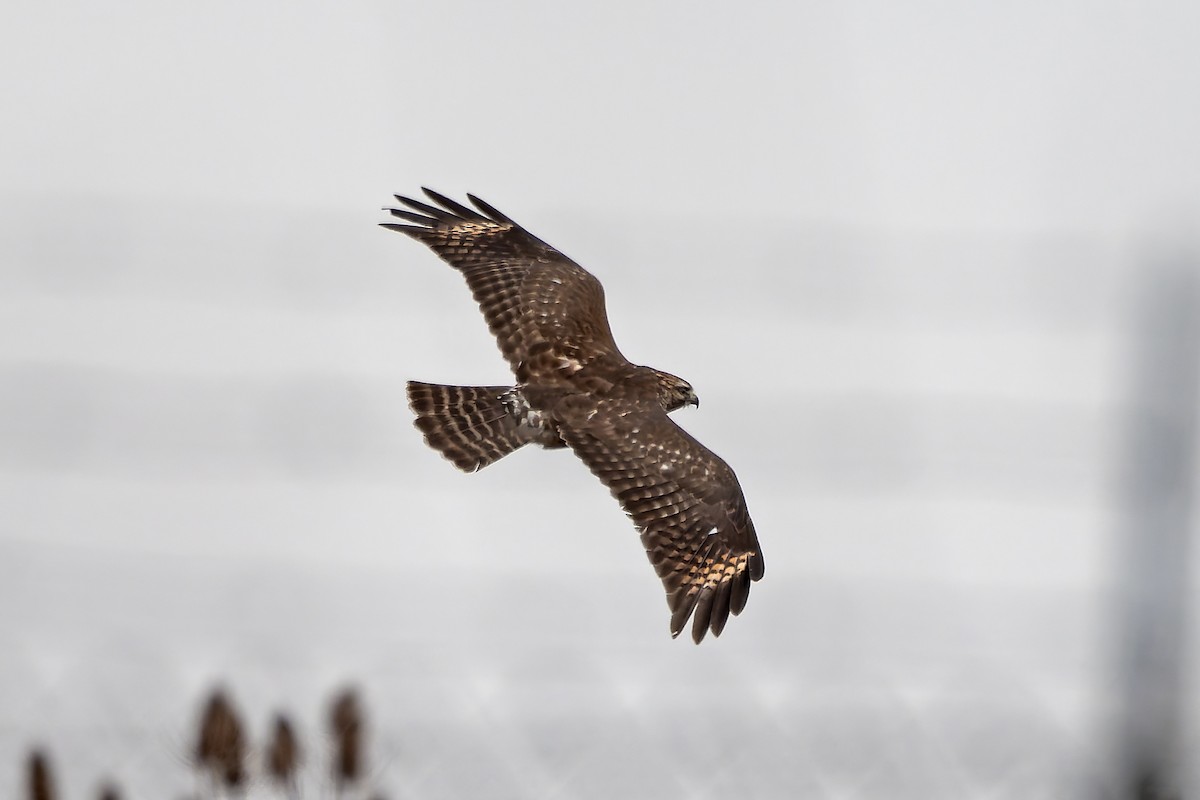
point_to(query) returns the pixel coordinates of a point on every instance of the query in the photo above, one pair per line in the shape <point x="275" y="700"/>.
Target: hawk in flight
<point x="574" y="389"/>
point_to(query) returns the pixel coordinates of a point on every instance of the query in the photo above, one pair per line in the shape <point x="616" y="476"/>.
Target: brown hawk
<point x="575" y="389"/>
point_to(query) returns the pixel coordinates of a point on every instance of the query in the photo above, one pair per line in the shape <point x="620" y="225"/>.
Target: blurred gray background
<point x="914" y="257"/>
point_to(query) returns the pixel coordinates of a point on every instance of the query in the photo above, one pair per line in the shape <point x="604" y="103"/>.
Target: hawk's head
<point x="674" y="392"/>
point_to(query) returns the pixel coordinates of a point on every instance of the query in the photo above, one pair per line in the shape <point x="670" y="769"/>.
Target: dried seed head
<point x="41" y="779"/>
<point x="346" y="725"/>
<point x="283" y="754"/>
<point x="221" y="746"/>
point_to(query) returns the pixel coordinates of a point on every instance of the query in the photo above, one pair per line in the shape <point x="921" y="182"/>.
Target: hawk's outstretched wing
<point x="685" y="501"/>
<point x="548" y="316"/>
<point x="546" y="312"/>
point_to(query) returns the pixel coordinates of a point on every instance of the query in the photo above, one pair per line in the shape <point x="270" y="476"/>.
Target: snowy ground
<point x="535" y="686"/>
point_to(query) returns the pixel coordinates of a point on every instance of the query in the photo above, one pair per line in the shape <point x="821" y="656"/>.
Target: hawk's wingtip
<point x="490" y="210"/>
<point x="405" y="229"/>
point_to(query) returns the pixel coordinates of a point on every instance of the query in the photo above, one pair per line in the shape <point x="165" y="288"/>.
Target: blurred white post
<point x="1153" y="551"/>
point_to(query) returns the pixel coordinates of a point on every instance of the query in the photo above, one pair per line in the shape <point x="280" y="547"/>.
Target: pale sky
<point x="857" y="201"/>
<point x="928" y="115"/>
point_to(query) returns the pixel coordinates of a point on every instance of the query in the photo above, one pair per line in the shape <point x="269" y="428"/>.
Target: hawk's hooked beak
<point x="693" y="400"/>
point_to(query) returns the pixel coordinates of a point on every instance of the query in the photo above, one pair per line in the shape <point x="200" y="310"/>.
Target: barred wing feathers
<point x="686" y="503"/>
<point x="546" y="312"/>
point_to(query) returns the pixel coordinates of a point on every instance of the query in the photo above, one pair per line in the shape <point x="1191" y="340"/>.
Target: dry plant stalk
<point x="221" y="747"/>
<point x="283" y="753"/>
<point x="41" y="780"/>
<point x="346" y="724"/>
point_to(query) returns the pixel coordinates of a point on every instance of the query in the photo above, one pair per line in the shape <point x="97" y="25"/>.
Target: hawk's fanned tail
<point x="469" y="425"/>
